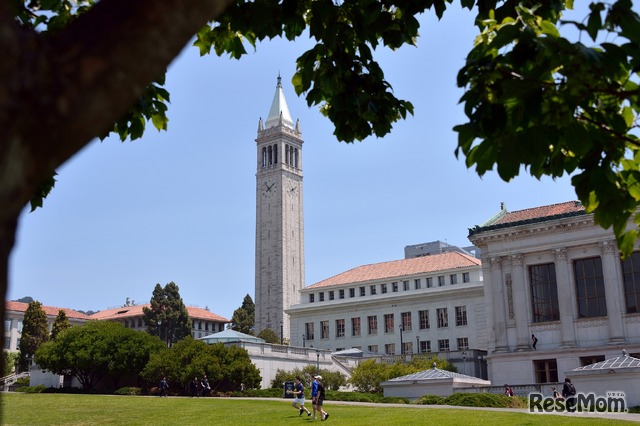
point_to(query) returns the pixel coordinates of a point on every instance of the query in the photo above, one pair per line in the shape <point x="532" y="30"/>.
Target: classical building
<point x="550" y="272"/>
<point x="14" y="317"/>
<point x="203" y="321"/>
<point x="279" y="247"/>
<point x="433" y="303"/>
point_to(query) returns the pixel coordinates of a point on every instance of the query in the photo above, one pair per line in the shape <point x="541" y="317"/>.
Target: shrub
<point x="394" y="400"/>
<point x="21" y="382"/>
<point x="430" y="400"/>
<point x="31" y="389"/>
<point x="485" y="400"/>
<point x="128" y="391"/>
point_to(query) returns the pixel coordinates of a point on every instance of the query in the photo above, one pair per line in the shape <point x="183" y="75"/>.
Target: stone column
<point x="499" y="315"/>
<point x="566" y="299"/>
<point x="613" y="291"/>
<point x="520" y="307"/>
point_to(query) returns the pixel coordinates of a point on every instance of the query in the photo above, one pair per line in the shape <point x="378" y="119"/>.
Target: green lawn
<point x="62" y="409"/>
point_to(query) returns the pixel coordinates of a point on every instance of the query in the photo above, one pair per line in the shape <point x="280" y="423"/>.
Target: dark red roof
<point x="49" y="310"/>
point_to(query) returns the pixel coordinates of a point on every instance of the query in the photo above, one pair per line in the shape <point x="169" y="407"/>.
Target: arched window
<point x="264" y="157"/>
<point x="296" y="154"/>
<point x="270" y="155"/>
<point x="291" y="156"/>
<point x="286" y="154"/>
<point x="275" y="154"/>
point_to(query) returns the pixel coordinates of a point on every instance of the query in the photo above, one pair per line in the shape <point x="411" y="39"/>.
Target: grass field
<point x="76" y="410"/>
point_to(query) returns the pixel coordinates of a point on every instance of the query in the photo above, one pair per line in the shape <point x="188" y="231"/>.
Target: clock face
<point x="268" y="188"/>
<point x="293" y="188"/>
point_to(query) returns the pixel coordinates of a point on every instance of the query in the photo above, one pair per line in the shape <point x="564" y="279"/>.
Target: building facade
<point x="550" y="272"/>
<point x="279" y="257"/>
<point x="424" y="304"/>
<point x="14" y="317"/>
<point x="203" y="321"/>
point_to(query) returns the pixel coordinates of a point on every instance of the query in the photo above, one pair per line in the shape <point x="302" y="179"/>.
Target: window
<point x="126" y="323"/>
<point x="440" y="280"/>
<point x="544" y="292"/>
<point x="406" y="321"/>
<point x="7" y="324"/>
<point x="405" y="285"/>
<point x="362" y="290"/>
<point x="424" y="319"/>
<point x="372" y="321"/>
<point x="309" y="329"/>
<point x="453" y="279"/>
<point x="417" y="284"/>
<point x="20" y="323"/>
<point x="388" y="323"/>
<point x="383" y="288"/>
<point x="312" y="298"/>
<point x="331" y="295"/>
<point x="341" y="294"/>
<point x="463" y="343"/>
<point x="321" y="296"/>
<point x="590" y="287"/>
<point x="394" y="287"/>
<point x="390" y="349"/>
<point x="140" y="324"/>
<point x="461" y="315"/>
<point x="588" y="360"/>
<point x="407" y="347"/>
<point x="372" y="290"/>
<point x="546" y="371"/>
<point x="443" y="317"/>
<point x="631" y="280"/>
<point x="465" y="277"/>
<point x="425" y="346"/>
<point x="443" y="345"/>
<point x="324" y="327"/>
<point x="352" y="292"/>
<point x="7" y="342"/>
<point x="355" y="326"/>
<point x="340" y="328"/>
<point x="429" y="282"/>
<point x="373" y="348"/>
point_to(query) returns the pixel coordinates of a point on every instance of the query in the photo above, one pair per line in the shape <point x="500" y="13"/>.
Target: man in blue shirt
<point x="298" y="392"/>
<point x="314" y="395"/>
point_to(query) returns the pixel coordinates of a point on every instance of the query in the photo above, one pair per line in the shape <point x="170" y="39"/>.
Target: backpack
<point x="572" y="389"/>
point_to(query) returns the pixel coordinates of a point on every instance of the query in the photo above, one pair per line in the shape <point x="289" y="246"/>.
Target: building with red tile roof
<point x="14" y="315"/>
<point x="433" y="303"/>
<point x="558" y="294"/>
<point x="203" y="321"/>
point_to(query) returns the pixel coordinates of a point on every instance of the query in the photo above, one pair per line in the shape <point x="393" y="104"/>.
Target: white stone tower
<point x="279" y="218"/>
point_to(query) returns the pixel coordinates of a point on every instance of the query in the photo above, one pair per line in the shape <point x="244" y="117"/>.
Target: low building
<point x="203" y="321"/>
<point x="14" y="317"/>
<point x="433" y="303"/>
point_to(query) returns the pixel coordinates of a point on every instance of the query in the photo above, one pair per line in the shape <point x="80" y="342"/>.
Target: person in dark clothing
<point x="204" y="386"/>
<point x="164" y="385"/>
<point x="194" y="386"/>
<point x="534" y="341"/>
<point x="569" y="394"/>
<point x="320" y="401"/>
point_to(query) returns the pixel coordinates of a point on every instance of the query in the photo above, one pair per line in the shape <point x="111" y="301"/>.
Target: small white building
<point x="430" y="382"/>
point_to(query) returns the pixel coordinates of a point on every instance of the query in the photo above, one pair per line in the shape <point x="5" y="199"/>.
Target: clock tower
<point x="279" y="218"/>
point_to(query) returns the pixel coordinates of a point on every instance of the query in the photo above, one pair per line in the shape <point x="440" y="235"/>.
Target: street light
<point x="281" y="331"/>
<point x="464" y="362"/>
<point x="303" y="340"/>
<point x="418" y="345"/>
<point x="317" y="361"/>
<point x="401" y="345"/>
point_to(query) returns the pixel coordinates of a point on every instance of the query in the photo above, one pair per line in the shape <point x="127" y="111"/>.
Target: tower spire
<point x="279" y="107"/>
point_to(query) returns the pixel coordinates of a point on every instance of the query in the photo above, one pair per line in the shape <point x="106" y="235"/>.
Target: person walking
<point x="534" y="341"/>
<point x="194" y="386"/>
<point x="314" y="394"/>
<point x="569" y="394"/>
<point x="320" y="400"/>
<point x="164" y="385"/>
<point x="204" y="385"/>
<point x="298" y="392"/>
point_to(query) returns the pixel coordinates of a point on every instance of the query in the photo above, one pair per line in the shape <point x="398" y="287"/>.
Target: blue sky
<point x="180" y="205"/>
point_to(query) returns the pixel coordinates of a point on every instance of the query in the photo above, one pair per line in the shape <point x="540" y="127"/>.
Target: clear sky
<point x="180" y="205"/>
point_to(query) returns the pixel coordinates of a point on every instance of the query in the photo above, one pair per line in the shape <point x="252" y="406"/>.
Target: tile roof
<point x="401" y="268"/>
<point x="136" y="311"/>
<point x="505" y="218"/>
<point x="624" y="361"/>
<point x="49" y="310"/>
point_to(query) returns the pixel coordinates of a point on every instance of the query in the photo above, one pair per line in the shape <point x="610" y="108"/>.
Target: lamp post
<point x="464" y="362"/>
<point x="401" y="344"/>
<point x="418" y="345"/>
<point x="317" y="361"/>
<point x="281" y="332"/>
<point x="303" y="336"/>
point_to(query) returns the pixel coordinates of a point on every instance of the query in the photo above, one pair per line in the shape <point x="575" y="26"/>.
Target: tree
<point x="226" y="367"/>
<point x="332" y="380"/>
<point x="74" y="71"/>
<point x="269" y="336"/>
<point x="61" y="323"/>
<point x="243" y="318"/>
<point x="167" y="317"/>
<point x="98" y="350"/>
<point x="35" y="331"/>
